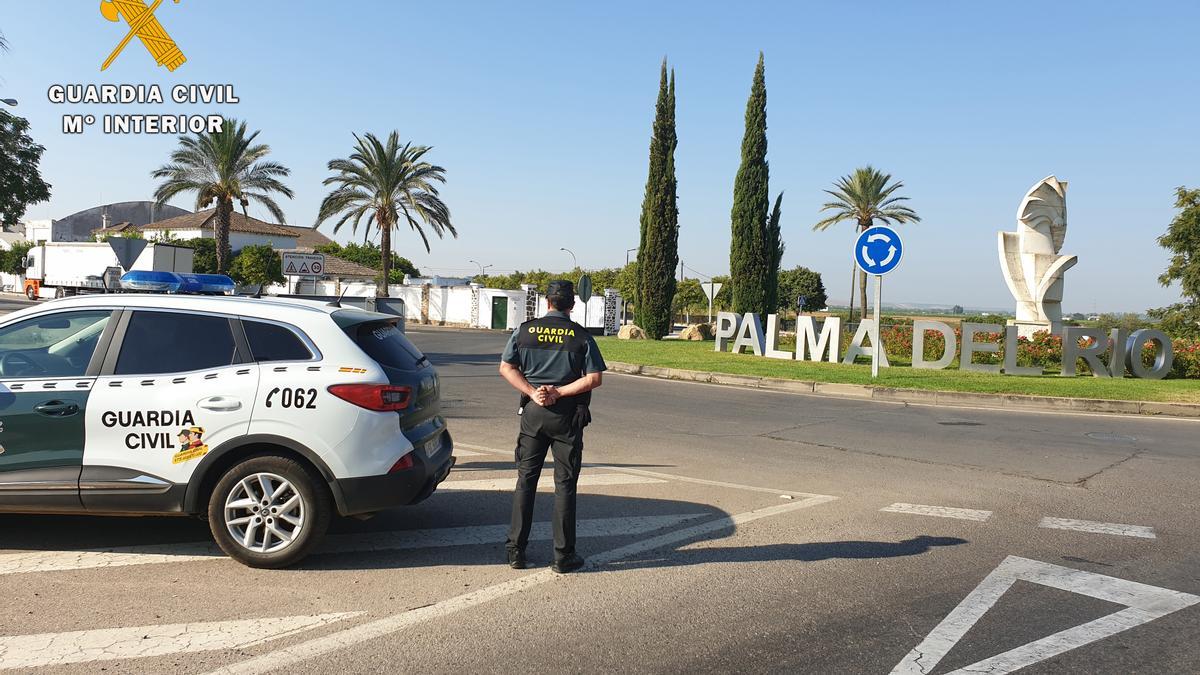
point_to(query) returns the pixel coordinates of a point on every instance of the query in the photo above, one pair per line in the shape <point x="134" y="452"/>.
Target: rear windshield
<point x="384" y="343"/>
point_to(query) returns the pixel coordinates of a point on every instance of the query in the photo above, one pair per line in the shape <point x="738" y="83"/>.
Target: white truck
<point x="56" y="270"/>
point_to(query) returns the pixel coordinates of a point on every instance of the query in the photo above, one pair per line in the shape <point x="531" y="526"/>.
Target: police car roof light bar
<point x="170" y="282"/>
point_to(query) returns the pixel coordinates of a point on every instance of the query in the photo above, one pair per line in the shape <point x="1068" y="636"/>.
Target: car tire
<point x="248" y="524"/>
<point x="31" y="293"/>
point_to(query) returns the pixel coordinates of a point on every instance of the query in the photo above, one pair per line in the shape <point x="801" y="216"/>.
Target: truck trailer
<point x="58" y="270"/>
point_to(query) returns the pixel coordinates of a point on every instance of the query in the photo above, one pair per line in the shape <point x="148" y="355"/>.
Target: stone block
<point x="631" y="332"/>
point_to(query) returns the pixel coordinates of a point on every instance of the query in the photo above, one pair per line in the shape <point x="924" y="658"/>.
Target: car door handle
<point x="57" y="409"/>
<point x="220" y="404"/>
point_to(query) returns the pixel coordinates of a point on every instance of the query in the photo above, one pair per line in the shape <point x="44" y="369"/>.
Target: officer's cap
<point x="560" y="288"/>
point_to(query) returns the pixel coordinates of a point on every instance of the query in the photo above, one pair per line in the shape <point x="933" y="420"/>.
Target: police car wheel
<point x="269" y="511"/>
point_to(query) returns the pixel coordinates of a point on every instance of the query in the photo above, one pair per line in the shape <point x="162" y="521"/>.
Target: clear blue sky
<point x="541" y="113"/>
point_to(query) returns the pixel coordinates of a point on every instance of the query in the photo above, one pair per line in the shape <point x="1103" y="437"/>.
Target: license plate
<point x="433" y="447"/>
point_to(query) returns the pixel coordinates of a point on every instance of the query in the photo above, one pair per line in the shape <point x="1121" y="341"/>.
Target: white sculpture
<point x="1029" y="257"/>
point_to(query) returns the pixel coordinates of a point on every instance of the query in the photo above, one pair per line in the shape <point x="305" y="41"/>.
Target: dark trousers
<point x="545" y="429"/>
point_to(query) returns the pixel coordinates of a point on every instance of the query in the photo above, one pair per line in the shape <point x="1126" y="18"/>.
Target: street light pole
<point x="482" y="267"/>
<point x="573" y="260"/>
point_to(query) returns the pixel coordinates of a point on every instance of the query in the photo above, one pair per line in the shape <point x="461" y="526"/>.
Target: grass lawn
<point x="700" y="356"/>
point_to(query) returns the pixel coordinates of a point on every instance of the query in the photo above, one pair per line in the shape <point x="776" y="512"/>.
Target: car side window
<point x="53" y="345"/>
<point x="272" y="342"/>
<point x="175" y="342"/>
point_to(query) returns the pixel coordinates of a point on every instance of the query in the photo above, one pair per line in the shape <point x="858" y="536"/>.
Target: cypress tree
<point x="658" y="251"/>
<point x="774" y="247"/>
<point x="750" y="258"/>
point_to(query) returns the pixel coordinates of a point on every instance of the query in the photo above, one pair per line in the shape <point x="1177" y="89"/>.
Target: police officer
<point x="555" y="364"/>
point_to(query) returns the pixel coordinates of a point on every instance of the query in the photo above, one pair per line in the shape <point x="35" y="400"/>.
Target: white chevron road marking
<point x="546" y="484"/>
<point x="111" y="644"/>
<point x="60" y="561"/>
<point x="283" y="660"/>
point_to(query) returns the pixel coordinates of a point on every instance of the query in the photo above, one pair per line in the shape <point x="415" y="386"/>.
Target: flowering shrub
<point x="1044" y="349"/>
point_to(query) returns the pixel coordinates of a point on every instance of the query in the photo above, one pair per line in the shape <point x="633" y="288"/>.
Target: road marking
<point x="507" y="484"/>
<point x="1143" y="604"/>
<point x="666" y="476"/>
<point x="274" y="661"/>
<point x="1098" y="528"/>
<point x="60" y="561"/>
<point x="938" y="511"/>
<point x="458" y="452"/>
<point x="110" y="644"/>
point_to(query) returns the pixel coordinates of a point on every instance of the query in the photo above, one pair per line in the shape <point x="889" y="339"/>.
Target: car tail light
<point x="379" y="397"/>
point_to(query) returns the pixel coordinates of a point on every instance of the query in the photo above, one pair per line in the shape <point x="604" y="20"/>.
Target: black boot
<point x="568" y="564"/>
<point x="516" y="559"/>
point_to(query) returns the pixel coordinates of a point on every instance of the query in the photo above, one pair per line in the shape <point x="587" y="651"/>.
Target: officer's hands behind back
<point x="546" y="395"/>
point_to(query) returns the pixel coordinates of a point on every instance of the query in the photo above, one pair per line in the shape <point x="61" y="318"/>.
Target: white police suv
<point x="267" y="416"/>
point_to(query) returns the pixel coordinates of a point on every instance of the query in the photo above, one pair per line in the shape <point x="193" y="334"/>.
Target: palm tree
<point x="865" y="196"/>
<point x="223" y="167"/>
<point x="386" y="183"/>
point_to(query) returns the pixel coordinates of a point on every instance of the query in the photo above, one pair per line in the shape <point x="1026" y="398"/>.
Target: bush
<point x="255" y="265"/>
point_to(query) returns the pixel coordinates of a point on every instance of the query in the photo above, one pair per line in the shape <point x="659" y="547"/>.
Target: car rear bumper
<point x="368" y="494"/>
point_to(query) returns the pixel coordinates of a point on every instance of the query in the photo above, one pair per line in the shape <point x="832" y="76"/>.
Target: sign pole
<point x="878" y="344"/>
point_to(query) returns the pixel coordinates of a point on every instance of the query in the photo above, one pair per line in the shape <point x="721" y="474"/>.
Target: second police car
<point x="266" y="416"/>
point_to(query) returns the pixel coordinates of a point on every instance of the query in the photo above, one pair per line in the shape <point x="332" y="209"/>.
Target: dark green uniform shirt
<point x="553" y="350"/>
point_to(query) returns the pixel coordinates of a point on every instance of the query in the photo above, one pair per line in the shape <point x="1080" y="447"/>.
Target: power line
<point x="696" y="271"/>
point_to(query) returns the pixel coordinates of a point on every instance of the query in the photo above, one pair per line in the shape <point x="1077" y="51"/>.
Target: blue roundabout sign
<point x="878" y="250"/>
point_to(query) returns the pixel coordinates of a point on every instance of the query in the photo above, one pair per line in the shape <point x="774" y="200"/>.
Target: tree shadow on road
<point x="807" y="552"/>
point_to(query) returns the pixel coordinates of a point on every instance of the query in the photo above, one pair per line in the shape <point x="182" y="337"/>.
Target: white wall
<point x="237" y="240"/>
<point x="452" y="305"/>
<point x="516" y="307"/>
<point x="595" y="311"/>
<point x="12" y="283"/>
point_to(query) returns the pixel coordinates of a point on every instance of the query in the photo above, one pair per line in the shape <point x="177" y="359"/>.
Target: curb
<point x="919" y="396"/>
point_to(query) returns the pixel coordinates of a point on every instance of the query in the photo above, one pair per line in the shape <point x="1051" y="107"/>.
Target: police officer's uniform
<point x="552" y="350"/>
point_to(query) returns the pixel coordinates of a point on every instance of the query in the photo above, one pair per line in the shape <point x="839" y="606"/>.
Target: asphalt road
<point x="727" y="529"/>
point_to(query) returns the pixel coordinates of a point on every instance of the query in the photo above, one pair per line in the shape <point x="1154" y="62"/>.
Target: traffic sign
<point x="878" y="250"/>
<point x="585" y="288"/>
<point x="711" y="289"/>
<point x="303" y="264"/>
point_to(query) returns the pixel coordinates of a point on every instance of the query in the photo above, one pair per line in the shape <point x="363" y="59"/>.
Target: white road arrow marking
<point x="111" y="644"/>
<point x="59" y="561"/>
<point x="1143" y="604"/>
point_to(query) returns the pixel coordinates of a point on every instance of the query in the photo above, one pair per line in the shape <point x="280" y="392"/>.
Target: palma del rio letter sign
<point x="1122" y="349"/>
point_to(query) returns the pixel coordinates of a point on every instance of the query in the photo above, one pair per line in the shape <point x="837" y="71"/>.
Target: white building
<point x="243" y="230"/>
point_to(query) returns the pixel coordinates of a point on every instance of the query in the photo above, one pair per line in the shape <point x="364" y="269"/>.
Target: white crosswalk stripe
<point x="938" y="511"/>
<point x="1095" y="527"/>
<point x="110" y="644"/>
<point x="59" y="561"/>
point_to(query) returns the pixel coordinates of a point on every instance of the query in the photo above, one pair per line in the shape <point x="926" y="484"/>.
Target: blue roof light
<point x="170" y="282"/>
<point x="206" y="283"/>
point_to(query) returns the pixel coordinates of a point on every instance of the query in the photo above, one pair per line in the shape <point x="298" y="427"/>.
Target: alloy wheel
<point x="265" y="513"/>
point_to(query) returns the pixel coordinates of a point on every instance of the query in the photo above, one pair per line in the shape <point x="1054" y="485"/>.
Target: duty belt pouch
<point x="524" y="402"/>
